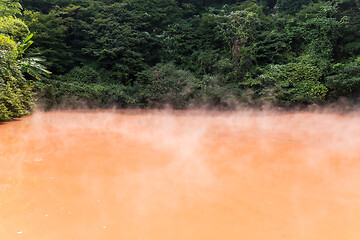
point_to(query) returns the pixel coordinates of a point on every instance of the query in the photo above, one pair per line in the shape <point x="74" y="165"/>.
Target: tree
<point x="50" y="38"/>
<point x="16" y="95"/>
<point x="239" y="34"/>
<point x="10" y="8"/>
<point x="291" y="6"/>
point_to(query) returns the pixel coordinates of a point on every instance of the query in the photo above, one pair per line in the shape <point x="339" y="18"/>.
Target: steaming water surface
<point x="180" y="175"/>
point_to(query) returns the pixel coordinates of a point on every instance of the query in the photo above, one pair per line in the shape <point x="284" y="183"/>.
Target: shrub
<point x="54" y="92"/>
<point x="292" y="83"/>
<point x="165" y="84"/>
<point x="214" y="91"/>
<point x="344" y="79"/>
<point x="16" y="97"/>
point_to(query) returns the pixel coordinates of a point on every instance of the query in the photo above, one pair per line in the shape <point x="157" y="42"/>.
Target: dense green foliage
<point x="16" y="97"/>
<point x="182" y="53"/>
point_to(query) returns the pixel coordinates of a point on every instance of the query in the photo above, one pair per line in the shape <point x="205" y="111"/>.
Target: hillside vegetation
<point x="178" y="53"/>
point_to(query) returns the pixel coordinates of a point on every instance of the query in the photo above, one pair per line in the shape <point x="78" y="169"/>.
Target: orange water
<point x="180" y="175"/>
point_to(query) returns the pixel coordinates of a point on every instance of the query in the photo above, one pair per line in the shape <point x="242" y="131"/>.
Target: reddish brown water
<point x="180" y="175"/>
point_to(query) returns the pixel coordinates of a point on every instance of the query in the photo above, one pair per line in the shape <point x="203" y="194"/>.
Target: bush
<point x="292" y="83"/>
<point x="16" y="97"/>
<point x="214" y="91"/>
<point x="14" y="27"/>
<point x="83" y="74"/>
<point x="344" y="79"/>
<point x="165" y="84"/>
<point x="54" y="92"/>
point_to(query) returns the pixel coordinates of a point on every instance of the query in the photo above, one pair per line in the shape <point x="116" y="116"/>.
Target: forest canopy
<point x="152" y="53"/>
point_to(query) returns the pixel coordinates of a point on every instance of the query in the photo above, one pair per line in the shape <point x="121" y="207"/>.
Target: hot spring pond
<point x="180" y="175"/>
